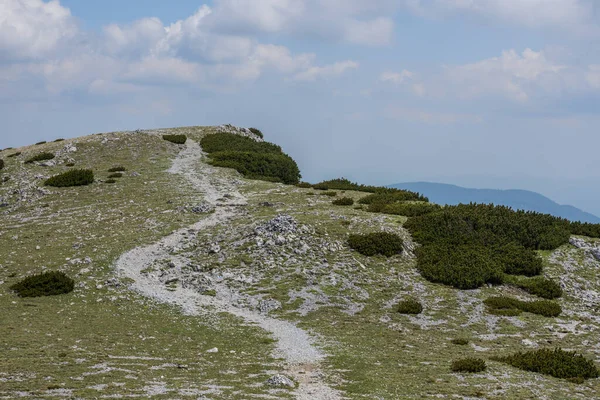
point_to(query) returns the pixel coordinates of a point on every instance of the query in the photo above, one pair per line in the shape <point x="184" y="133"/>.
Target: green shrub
<point x="18" y="153"/>
<point x="391" y="197"/>
<point x="344" y="201"/>
<point x="218" y="142"/>
<point x="585" y="229"/>
<point x="464" y="266"/>
<point x="257" y="132"/>
<point x="110" y="181"/>
<point x="538" y="286"/>
<point x="506" y="305"/>
<point x="75" y="177"/>
<point x="118" y="168"/>
<point x="177" y="139"/>
<point x="557" y="363"/>
<point x="70" y="164"/>
<point x="517" y="260"/>
<point x="345" y="184"/>
<point x="59" y="140"/>
<point x="471" y="365"/>
<point x="405" y="209"/>
<point x="460" y="341"/>
<point x="115" y="175"/>
<point x="329" y="193"/>
<point x="45" y="284"/>
<point x="42" y="142"/>
<point x="265" y="166"/>
<point x="410" y="306"/>
<point x="304" y="185"/>
<point x="1" y="164"/>
<point x="384" y="243"/>
<point x="40" y="157"/>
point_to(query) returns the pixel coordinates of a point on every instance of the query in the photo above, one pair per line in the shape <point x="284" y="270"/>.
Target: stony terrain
<point x="193" y="282"/>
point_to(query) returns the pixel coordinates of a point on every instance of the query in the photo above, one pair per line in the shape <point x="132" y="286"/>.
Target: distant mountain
<point x="442" y="193"/>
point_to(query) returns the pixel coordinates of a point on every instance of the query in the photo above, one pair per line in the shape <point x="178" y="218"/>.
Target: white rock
<point x="213" y="350"/>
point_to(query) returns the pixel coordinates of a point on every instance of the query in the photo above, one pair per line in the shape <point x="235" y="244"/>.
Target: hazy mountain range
<point x="442" y="193"/>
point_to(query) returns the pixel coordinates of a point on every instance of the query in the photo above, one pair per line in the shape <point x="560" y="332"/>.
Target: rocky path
<point x="294" y="345"/>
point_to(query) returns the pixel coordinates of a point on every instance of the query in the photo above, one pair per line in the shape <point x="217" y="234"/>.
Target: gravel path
<point x="293" y="344"/>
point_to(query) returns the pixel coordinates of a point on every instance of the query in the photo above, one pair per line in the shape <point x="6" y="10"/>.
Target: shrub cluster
<point x="40" y="157"/>
<point x="59" y="140"/>
<point x="384" y="243"/>
<point x="70" y="164"/>
<point x="304" y="185"/>
<point x="460" y="341"/>
<point x="254" y="160"/>
<point x="508" y="306"/>
<point x="344" y="201"/>
<point x="329" y="193"/>
<point x="42" y="142"/>
<point x="1" y="164"/>
<point x="472" y="365"/>
<point x="18" y="153"/>
<point x="115" y="175"/>
<point x="345" y="184"/>
<point x="177" y="139"/>
<point x="406" y="209"/>
<point x="45" y="284"/>
<point x="118" y="168"/>
<point x="257" y="132"/>
<point x="557" y="363"/>
<point x="75" y="177"/>
<point x="110" y="181"/>
<point x="585" y="229"/>
<point x="462" y="266"/>
<point x="538" y="286"/>
<point x="410" y="306"/>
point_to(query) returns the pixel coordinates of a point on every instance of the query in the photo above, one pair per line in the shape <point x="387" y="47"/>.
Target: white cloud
<point x="34" y="28"/>
<point x="396" y="77"/>
<point x="328" y="71"/>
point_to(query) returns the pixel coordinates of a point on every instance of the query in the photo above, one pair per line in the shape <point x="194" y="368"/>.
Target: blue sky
<point x="481" y="93"/>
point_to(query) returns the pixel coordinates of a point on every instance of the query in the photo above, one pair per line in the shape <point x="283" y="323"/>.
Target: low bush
<point x="463" y="267"/>
<point x="328" y="193"/>
<point x="257" y="132"/>
<point x="384" y="243"/>
<point x="59" y="140"/>
<point x="509" y="306"/>
<point x="110" y="181"/>
<point x="538" y="286"/>
<point x="218" y="142"/>
<point x="517" y="260"/>
<point x="557" y="363"/>
<point x="471" y="365"/>
<point x="18" y="153"/>
<point x="40" y="157"/>
<point x="585" y="229"/>
<point x="345" y="184"/>
<point x="344" y="201"/>
<point x="45" y="284"/>
<point x="118" y="168"/>
<point x="410" y="306"/>
<point x="405" y="209"/>
<point x="265" y="166"/>
<point x="177" y="139"/>
<point x="392" y="197"/>
<point x="70" y="164"/>
<point x="115" y="175"/>
<point x="42" y="142"/>
<point x="304" y="185"/>
<point x="75" y="177"/>
<point x="460" y="341"/>
<point x="1" y="164"/>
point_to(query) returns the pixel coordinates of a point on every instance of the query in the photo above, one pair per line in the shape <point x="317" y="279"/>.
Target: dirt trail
<point x="293" y="344"/>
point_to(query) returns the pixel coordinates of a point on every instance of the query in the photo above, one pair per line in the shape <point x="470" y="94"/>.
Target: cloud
<point x="32" y="29"/>
<point x="429" y="117"/>
<point x="396" y="77"/>
<point x="328" y="71"/>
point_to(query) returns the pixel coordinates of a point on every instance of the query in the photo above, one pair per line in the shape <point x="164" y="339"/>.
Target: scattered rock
<point x="280" y="381"/>
<point x="213" y="350"/>
<point x="214" y="248"/>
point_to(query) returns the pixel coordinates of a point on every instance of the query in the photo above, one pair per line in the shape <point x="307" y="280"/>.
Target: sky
<point x="479" y="93"/>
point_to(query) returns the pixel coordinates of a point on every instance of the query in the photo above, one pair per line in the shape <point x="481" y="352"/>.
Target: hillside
<point x="192" y="280"/>
<point x="442" y="193"/>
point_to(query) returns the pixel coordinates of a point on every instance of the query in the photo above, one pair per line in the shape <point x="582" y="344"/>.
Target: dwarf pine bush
<point x="410" y="306"/>
<point x="115" y="175"/>
<point x="304" y="185"/>
<point x="110" y="181"/>
<point x="510" y="306"/>
<point x="42" y="142"/>
<point x="460" y="341"/>
<point x="257" y="132"/>
<point x="344" y="201"/>
<point x="44" y="284"/>
<point x="557" y="363"/>
<point x="18" y="153"/>
<point x="471" y="365"/>
<point x="118" y="168"/>
<point x="384" y="243"/>
<point x="329" y="193"/>
<point x="177" y="139"/>
<point x="538" y="286"/>
<point x="1" y="164"/>
<point x="40" y="157"/>
<point x="405" y="209"/>
<point x="75" y="177"/>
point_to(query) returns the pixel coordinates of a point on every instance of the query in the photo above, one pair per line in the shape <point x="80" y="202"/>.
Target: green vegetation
<point x="329" y="193"/>
<point x="462" y="266"/>
<point x="75" y="177"/>
<point x="40" y="157"/>
<point x="70" y="164"/>
<point x="384" y="243"/>
<point x="557" y="363"/>
<point x="118" y="168"/>
<point x="344" y="201"/>
<point x="42" y="142"/>
<point x="304" y="185"/>
<point x="460" y="341"/>
<point x="254" y="160"/>
<point x="503" y="305"/>
<point x="410" y="306"/>
<point x="59" y="140"/>
<point x="345" y="184"/>
<point x="538" y="286"/>
<point x="110" y="181"/>
<point x="257" y="132"/>
<point x="115" y="175"/>
<point x="471" y="365"/>
<point x="1" y="164"/>
<point x="585" y="229"/>
<point x="404" y="208"/>
<point x="177" y="139"/>
<point x="44" y="284"/>
<point x="18" y="153"/>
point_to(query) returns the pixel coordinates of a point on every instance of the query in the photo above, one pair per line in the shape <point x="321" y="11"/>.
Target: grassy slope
<point x="96" y="335"/>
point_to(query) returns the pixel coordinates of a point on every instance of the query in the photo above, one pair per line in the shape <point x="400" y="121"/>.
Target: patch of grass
<point x="384" y="243"/>
<point x="44" y="284"/>
<point x="118" y="168"/>
<point x="510" y="305"/>
<point x="410" y="306"/>
<point x="557" y="363"/>
<point x="40" y="157"/>
<point x="177" y="139"/>
<point x="75" y="177"/>
<point x="115" y="175"/>
<point x="470" y="365"/>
